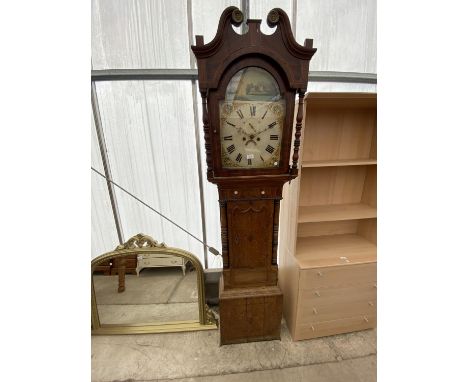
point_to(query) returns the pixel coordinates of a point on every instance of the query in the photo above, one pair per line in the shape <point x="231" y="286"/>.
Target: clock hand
<point x="270" y="126"/>
<point x="253" y="128"/>
<point x="261" y="131"/>
<point x="239" y="129"/>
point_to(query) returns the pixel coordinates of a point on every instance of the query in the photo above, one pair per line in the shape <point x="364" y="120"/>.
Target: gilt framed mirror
<point x="160" y="289"/>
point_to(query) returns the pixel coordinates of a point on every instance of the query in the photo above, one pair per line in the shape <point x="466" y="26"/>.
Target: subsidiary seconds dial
<point x="251" y="133"/>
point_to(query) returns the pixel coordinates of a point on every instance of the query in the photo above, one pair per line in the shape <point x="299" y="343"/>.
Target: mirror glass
<point x="158" y="288"/>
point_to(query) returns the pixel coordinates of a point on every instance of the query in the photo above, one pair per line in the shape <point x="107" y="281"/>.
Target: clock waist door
<point x="250" y="243"/>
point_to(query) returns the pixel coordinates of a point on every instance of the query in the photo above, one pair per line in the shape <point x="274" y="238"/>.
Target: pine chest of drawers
<point x="328" y="219"/>
<point x="336" y="300"/>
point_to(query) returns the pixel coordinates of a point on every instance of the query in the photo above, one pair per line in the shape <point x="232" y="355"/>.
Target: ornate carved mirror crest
<point x="166" y="293"/>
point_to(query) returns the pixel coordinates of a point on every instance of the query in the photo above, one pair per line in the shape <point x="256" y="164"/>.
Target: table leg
<point x="121" y="272"/>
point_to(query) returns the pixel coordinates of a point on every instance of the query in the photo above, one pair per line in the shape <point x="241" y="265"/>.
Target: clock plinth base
<point x="250" y="314"/>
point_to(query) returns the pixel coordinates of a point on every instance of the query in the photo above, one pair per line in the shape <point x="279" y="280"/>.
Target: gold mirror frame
<point x="143" y="244"/>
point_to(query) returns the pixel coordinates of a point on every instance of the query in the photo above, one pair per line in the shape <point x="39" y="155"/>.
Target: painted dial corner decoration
<point x="251" y="120"/>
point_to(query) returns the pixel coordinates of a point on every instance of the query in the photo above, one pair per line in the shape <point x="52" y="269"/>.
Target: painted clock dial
<point x="251" y="120"/>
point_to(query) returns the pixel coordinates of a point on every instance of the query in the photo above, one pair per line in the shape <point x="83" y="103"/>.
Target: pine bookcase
<point x="328" y="221"/>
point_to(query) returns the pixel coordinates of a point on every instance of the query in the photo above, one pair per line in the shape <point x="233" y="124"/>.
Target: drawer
<point x="161" y="262"/>
<point x="156" y="256"/>
<point x="328" y="328"/>
<point x="337" y="303"/>
<point x="336" y="276"/>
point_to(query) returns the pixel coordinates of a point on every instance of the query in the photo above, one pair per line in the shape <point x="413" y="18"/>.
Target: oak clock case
<point x="248" y="84"/>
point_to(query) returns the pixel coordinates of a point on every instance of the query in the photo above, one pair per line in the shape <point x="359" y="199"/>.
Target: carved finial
<point x="273" y="18"/>
<point x="237" y="17"/>
<point x="140" y="241"/>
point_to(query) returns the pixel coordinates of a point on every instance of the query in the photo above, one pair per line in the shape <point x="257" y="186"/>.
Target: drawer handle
<point x="320" y="274"/>
<point x="366" y="319"/>
<point x="312" y="327"/>
<point x="314" y="310"/>
<point x="375" y="286"/>
<point x="371" y="303"/>
<point x="317" y="293"/>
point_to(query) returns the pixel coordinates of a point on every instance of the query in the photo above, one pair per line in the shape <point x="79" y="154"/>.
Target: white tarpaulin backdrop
<point x="149" y="126"/>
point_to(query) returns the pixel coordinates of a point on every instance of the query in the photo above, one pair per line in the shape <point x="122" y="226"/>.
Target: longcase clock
<point x="248" y="84"/>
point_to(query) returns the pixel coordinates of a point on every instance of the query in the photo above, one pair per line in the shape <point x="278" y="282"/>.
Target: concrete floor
<point x="352" y="370"/>
<point x="197" y="356"/>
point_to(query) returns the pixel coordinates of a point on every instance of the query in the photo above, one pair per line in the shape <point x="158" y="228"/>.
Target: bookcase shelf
<point x="328" y="221"/>
<point x="341" y="162"/>
<point x="330" y="250"/>
<point x="335" y="212"/>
